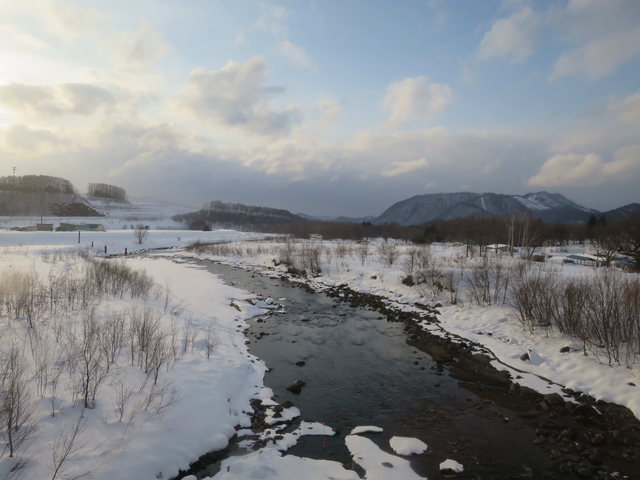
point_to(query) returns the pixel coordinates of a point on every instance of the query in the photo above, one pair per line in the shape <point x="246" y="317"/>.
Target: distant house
<point x="44" y="227"/>
<point x="315" y="236"/>
<point x="625" y="264"/>
<point x="72" y="227"/>
<point x="80" y="227"/>
<point x="30" y="228"/>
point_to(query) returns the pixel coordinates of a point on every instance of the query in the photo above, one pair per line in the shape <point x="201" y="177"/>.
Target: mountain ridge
<point x="419" y="209"/>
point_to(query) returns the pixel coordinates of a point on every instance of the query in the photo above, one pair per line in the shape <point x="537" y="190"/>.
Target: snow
<point x="407" y="446"/>
<point x="215" y="393"/>
<point x="378" y="464"/>
<point x="269" y="464"/>
<point x="364" y="429"/>
<point x="451" y="465"/>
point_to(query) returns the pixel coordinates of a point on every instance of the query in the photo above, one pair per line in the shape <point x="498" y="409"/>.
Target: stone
<point x="554" y="399"/>
<point x="585" y="410"/>
<point x="524" y="357"/>
<point x="595" y="459"/>
<point x="564" y="468"/>
<point x="584" y="472"/>
<point x="387" y="464"/>
<point x="300" y="363"/>
<point x="565" y="349"/>
<point x="296" y="387"/>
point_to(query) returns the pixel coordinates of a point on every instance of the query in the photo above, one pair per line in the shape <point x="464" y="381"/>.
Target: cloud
<point x="329" y="110"/>
<point x="414" y="97"/>
<point x="599" y="57"/>
<point x="590" y="169"/>
<point x="48" y="101"/>
<point x="22" y="140"/>
<point x="512" y="37"/>
<point x="235" y="97"/>
<point x="627" y="110"/>
<point x="140" y="49"/>
<point x="603" y="36"/>
<point x="272" y="19"/>
<point x="14" y="36"/>
<point x="240" y="40"/>
<point x="576" y="140"/>
<point x="68" y="22"/>
<point x="400" y="168"/>
<point x="296" y="54"/>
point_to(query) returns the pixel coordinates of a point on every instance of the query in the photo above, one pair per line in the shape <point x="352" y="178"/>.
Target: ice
<point x="407" y="445"/>
<point x="358" y="430"/>
<point x="379" y="465"/>
<point x="451" y="465"/>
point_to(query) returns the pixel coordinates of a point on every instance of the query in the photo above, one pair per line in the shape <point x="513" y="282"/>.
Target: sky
<point x="324" y="107"/>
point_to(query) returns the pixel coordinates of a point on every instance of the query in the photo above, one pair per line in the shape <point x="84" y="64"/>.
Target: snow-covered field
<point x="116" y="215"/>
<point x="133" y="429"/>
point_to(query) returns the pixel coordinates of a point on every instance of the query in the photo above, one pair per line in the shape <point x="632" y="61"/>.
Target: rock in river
<point x="296" y="387"/>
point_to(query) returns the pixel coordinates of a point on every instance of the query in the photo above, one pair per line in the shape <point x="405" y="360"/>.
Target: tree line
<point x="103" y="190"/>
<point x="516" y="230"/>
<point x="36" y="184"/>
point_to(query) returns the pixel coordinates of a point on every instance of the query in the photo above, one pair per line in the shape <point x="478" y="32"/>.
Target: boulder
<point x="296" y="387"/>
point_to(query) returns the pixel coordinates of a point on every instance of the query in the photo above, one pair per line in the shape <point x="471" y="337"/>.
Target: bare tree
<point x="212" y="342"/>
<point x="67" y="445"/>
<point x="363" y="251"/>
<point x="17" y="403"/>
<point x="90" y="359"/>
<point x="388" y="253"/>
<point x="140" y="233"/>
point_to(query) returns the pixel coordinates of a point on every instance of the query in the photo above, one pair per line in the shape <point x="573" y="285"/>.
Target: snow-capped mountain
<point x="550" y="207"/>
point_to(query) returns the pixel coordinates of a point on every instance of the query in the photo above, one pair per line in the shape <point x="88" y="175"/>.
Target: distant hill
<point x="550" y="207"/>
<point x="622" y="212"/>
<point x="34" y="195"/>
<point x="229" y="215"/>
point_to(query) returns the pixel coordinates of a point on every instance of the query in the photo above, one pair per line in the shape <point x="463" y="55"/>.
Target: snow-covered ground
<point x="115" y="215"/>
<point x="155" y="439"/>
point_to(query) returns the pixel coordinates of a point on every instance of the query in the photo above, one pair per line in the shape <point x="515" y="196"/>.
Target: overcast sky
<point x="324" y="107"/>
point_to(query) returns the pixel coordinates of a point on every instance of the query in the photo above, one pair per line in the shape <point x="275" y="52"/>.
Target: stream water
<point x="359" y="370"/>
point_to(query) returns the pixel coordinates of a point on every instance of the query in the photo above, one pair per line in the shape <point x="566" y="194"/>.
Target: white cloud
<point x="584" y="170"/>
<point x="400" y="168"/>
<point x="600" y="56"/>
<point x="272" y="19"/>
<point x="14" y="36"/>
<point x="140" y="49"/>
<point x="329" y="110"/>
<point x="47" y="101"/>
<point x="627" y="110"/>
<point x="603" y="36"/>
<point x="69" y="22"/>
<point x="296" y="54"/>
<point x="414" y="97"/>
<point x="576" y="140"/>
<point x="512" y="37"/>
<point x="235" y="97"/>
<point x="25" y="141"/>
<point x="240" y="40"/>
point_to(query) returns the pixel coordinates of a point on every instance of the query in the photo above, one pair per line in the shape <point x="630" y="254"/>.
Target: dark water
<point x="360" y="371"/>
